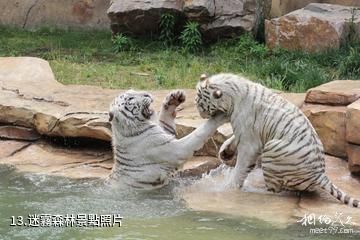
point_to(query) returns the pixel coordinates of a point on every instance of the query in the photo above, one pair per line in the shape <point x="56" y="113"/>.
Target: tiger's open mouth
<point x="147" y="111"/>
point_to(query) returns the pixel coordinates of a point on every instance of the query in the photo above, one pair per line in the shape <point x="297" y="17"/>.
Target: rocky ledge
<point x="49" y="128"/>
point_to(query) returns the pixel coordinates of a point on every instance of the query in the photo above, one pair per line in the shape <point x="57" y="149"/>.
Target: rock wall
<point x="34" y="14"/>
<point x="217" y="18"/>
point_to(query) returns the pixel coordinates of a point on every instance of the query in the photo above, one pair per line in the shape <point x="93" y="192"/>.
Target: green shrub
<point x="191" y="37"/>
<point x="353" y="37"/>
<point x="167" y="29"/>
<point x="121" y="43"/>
<point x="350" y="66"/>
<point x="247" y="46"/>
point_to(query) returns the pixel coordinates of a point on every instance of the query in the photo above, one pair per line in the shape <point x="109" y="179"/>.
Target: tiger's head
<point x="131" y="107"/>
<point x="212" y="97"/>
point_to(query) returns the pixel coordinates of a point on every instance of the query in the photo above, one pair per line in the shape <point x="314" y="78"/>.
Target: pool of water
<point x="160" y="214"/>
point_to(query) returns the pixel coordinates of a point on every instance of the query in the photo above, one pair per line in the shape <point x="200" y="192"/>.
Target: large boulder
<point x="35" y="14"/>
<point x="353" y="152"/>
<point x="231" y="19"/>
<point x="282" y="7"/>
<point x="316" y="27"/>
<point x="353" y="122"/>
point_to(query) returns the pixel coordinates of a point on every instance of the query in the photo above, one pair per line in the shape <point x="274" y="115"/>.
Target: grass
<point x="79" y="57"/>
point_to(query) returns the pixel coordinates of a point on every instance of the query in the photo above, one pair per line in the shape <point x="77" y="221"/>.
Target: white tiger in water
<point x="146" y="151"/>
<point x="268" y="129"/>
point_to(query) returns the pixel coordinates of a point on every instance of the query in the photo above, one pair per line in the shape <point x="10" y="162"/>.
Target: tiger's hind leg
<point x="168" y="110"/>
<point x="285" y="166"/>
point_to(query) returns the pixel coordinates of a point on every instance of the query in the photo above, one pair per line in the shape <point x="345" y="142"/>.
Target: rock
<point x="199" y="10"/>
<point x="329" y="123"/>
<point x="282" y="7"/>
<point x="231" y="19"/>
<point x="36" y="14"/>
<point x="353" y="123"/>
<point x="210" y="195"/>
<point x="317" y="27"/>
<point x="217" y="19"/>
<point x="340" y="92"/>
<point x="353" y="153"/>
<point x="295" y="98"/>
<point x="198" y="166"/>
<point x="140" y="17"/>
<point x="31" y="97"/>
<point x="18" y="133"/>
<point x="43" y="158"/>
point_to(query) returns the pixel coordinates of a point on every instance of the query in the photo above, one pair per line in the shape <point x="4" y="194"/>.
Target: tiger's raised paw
<point x="174" y="99"/>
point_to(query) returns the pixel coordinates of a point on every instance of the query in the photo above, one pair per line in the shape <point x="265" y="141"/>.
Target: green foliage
<point x="191" y="37"/>
<point x="248" y="47"/>
<point x="81" y="57"/>
<point x="350" y="66"/>
<point x="121" y="43"/>
<point x="167" y="29"/>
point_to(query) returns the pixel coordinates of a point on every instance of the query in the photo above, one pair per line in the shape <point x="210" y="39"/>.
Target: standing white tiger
<point x="146" y="151"/>
<point x="268" y="128"/>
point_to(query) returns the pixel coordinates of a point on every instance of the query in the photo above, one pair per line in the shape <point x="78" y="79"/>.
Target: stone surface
<point x="35" y="14"/>
<point x="9" y="148"/>
<point x="353" y="153"/>
<point x="329" y="123"/>
<point x="208" y="194"/>
<point x="43" y="158"/>
<point x="353" y="123"/>
<point x="140" y="17"/>
<point x="316" y="27"/>
<point x="340" y="92"/>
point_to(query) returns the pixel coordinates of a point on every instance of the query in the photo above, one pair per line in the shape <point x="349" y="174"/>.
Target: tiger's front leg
<point x="168" y="110"/>
<point x="228" y="151"/>
<point x="246" y="161"/>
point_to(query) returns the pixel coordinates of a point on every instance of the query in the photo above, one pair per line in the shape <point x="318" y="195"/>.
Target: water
<point x="160" y="214"/>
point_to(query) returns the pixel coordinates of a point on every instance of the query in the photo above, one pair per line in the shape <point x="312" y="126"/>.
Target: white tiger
<point x="269" y="129"/>
<point x="146" y="151"/>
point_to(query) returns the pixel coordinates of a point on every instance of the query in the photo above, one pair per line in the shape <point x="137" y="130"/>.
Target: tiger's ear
<point x="204" y="80"/>
<point x="217" y="94"/>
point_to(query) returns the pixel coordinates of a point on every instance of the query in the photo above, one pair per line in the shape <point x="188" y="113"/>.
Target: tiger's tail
<point x="339" y="194"/>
